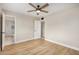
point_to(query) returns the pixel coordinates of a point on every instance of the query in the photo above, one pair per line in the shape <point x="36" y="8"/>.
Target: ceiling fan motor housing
<point x="38" y="6"/>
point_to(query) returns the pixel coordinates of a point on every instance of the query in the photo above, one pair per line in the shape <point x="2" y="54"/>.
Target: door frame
<point x="1" y="30"/>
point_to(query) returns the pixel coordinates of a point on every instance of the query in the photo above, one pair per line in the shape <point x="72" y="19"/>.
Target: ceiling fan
<point x="39" y="8"/>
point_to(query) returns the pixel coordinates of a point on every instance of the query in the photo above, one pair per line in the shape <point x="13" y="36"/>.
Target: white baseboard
<point x="53" y="42"/>
<point x="16" y="42"/>
<point x="20" y="41"/>
<point x="65" y="45"/>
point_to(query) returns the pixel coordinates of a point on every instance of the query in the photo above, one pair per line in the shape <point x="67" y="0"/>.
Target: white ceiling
<point x="24" y="7"/>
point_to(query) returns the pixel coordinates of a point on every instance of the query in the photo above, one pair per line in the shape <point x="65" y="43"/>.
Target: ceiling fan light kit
<point x="38" y="9"/>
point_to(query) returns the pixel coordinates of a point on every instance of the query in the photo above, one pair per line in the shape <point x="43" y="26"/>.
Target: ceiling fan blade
<point x="44" y="6"/>
<point x="31" y="10"/>
<point x="44" y="11"/>
<point x="32" y="5"/>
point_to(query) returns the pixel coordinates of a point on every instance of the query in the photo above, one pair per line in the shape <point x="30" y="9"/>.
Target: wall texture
<point x="63" y="27"/>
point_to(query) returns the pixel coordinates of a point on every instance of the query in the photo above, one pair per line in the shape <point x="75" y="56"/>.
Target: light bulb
<point x="38" y="11"/>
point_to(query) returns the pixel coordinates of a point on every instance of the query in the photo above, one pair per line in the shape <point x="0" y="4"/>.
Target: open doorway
<point x="39" y="29"/>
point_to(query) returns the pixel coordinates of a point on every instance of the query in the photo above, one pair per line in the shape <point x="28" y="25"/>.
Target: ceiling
<point x="24" y="7"/>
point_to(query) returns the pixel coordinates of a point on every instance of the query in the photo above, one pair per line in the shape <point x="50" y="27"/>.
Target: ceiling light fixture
<point x="38" y="11"/>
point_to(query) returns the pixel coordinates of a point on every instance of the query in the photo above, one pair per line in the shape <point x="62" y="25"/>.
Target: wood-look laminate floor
<point x="38" y="47"/>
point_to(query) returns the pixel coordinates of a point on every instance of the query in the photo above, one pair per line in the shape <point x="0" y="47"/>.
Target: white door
<point x="37" y="29"/>
<point x="8" y="30"/>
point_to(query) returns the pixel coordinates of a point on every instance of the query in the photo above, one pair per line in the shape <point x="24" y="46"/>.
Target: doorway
<point x="37" y="29"/>
<point x="39" y="26"/>
<point x="9" y="30"/>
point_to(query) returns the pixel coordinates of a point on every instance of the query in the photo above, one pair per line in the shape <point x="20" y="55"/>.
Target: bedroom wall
<point x="62" y="27"/>
<point x="24" y="27"/>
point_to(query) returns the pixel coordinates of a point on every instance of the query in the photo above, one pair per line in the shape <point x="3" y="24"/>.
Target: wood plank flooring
<point x="37" y="47"/>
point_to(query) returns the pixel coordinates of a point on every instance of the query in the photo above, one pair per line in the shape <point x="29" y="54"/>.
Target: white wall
<point x="63" y="27"/>
<point x="24" y="27"/>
